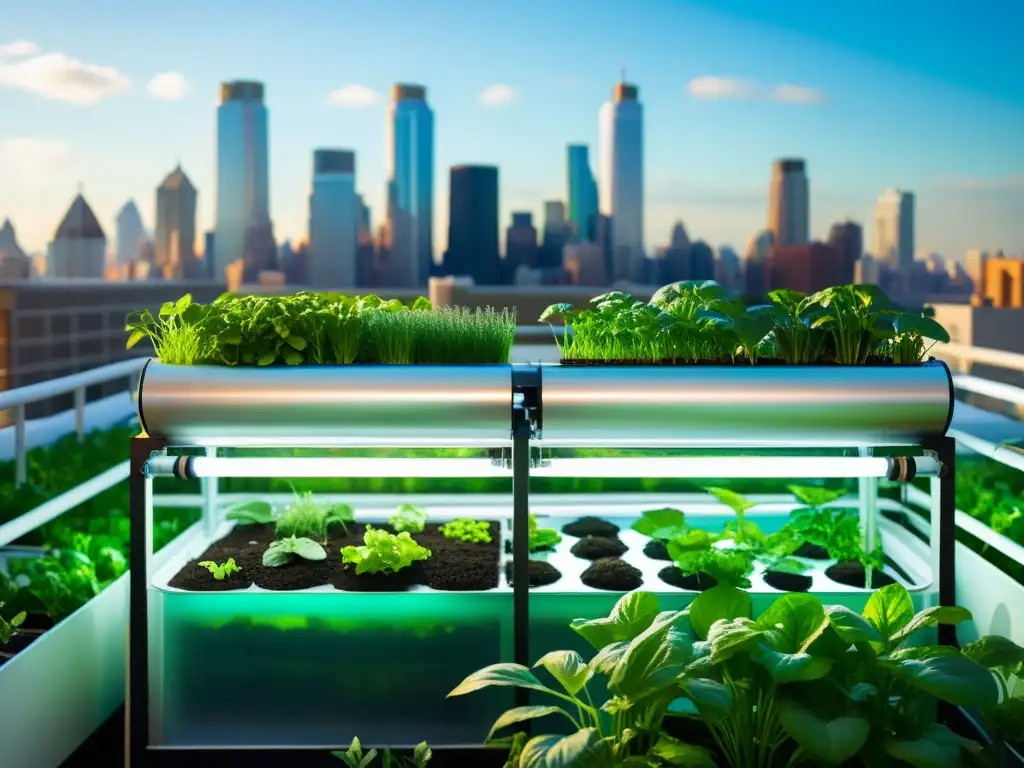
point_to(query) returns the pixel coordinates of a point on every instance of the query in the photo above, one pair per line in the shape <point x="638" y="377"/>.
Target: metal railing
<point x="77" y="383"/>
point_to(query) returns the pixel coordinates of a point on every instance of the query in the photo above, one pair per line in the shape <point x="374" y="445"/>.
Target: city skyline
<point x="707" y="159"/>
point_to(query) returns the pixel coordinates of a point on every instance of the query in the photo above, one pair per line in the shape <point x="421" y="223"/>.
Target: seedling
<point x="222" y="571"/>
<point x="408" y="519"/>
<point x="661" y="524"/>
<point x="178" y="333"/>
<point x="253" y="512"/>
<point x="744" y="531"/>
<point x="383" y="552"/>
<point x="284" y="551"/>
<point x="355" y="757"/>
<point x="468" y="530"/>
<point x="542" y="538"/>
<point x="306" y="518"/>
<point x="694" y="552"/>
<point x="9" y="628"/>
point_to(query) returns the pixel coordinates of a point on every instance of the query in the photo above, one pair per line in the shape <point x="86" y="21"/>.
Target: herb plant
<point x="355" y="757"/>
<point x="284" y="551"/>
<point x="222" y="571"/>
<point x="408" y="519"/>
<point x="542" y="538"/>
<point x="662" y="524"/>
<point x="384" y="552"/>
<point x="252" y="512"/>
<point x="306" y="518"/>
<point x="468" y="530"/>
<point x="9" y="627"/>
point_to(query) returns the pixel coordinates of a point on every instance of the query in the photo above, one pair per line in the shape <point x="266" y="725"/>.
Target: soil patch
<point x="693" y="582"/>
<point x="656" y="550"/>
<point x="541" y="573"/>
<point x="612" y="574"/>
<point x="597" y="547"/>
<point x="454" y="566"/>
<point x="590" y="526"/>
<point x="788" y="582"/>
<point x="851" y="573"/>
<point x="812" y="551"/>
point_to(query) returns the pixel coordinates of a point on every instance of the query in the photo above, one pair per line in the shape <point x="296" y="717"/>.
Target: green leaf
<point x="605" y="661"/>
<point x="632" y="614"/>
<point x="568" y="668"/>
<point x="135" y="338"/>
<point x="583" y="749"/>
<point x="793" y="622"/>
<point x="929" y="617"/>
<point x="813" y="496"/>
<point x="790" y="667"/>
<point x="952" y="678"/>
<point x="719" y="602"/>
<point x="275" y="557"/>
<point x="506" y="674"/>
<point x="654" y="520"/>
<point x="830" y="741"/>
<point x="296" y="342"/>
<point x="251" y="512"/>
<point x="863" y="692"/>
<point x="675" y="752"/>
<point x="308" y="549"/>
<point x="712" y="699"/>
<point x="851" y="627"/>
<point x="655" y="658"/>
<point x="994" y="651"/>
<point x="731" y="499"/>
<point x="726" y="638"/>
<point x="889" y="609"/>
<point x="937" y="748"/>
<point x="521" y="714"/>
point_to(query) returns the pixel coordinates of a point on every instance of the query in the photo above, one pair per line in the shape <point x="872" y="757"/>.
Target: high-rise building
<point x="582" y="193"/>
<point x="333" y="220"/>
<point x="79" y="247"/>
<point x="410" y="204"/>
<point x="808" y="267"/>
<point x="621" y="176"/>
<point x="209" y="240"/>
<point x="557" y="232"/>
<point x="243" y="177"/>
<point x="14" y="262"/>
<point x="1004" y="283"/>
<point x="520" y="243"/>
<point x="847" y="238"/>
<point x="702" y="261"/>
<point x="789" y="205"/>
<point x="974" y="265"/>
<point x="175" y="234"/>
<point x="473" y="224"/>
<point x="894" y="229"/>
<point x="130" y="233"/>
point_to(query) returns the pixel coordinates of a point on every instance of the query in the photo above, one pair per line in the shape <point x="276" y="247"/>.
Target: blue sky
<point x="922" y="95"/>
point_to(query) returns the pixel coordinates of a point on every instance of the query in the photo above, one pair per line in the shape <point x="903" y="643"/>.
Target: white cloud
<point x="353" y="97"/>
<point x="56" y="76"/>
<point x="497" y="95"/>
<point x="712" y="87"/>
<point x="169" y="86"/>
<point x="18" y="49"/>
<point x="33" y="162"/>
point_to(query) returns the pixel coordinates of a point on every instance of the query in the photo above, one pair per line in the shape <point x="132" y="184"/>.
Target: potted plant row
<point x="698" y="323"/>
<point x="321" y="329"/>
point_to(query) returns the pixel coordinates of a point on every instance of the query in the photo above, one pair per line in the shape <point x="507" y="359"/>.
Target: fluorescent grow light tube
<point x="795" y="467"/>
<point x="291" y="466"/>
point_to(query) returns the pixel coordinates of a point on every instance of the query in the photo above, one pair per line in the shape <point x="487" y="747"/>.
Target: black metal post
<point x="137" y="696"/>
<point x="521" y="433"/>
<point x="945" y="449"/>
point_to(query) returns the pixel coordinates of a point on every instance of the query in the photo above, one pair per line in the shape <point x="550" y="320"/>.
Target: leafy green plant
<point x="542" y="538"/>
<point x="307" y="518"/>
<point x="1005" y="659"/>
<point x="819" y="525"/>
<point x="384" y="552"/>
<point x="468" y="530"/>
<point x="851" y="316"/>
<point x="662" y="524"/>
<point x="355" y="757"/>
<point x="284" y="551"/>
<point x="9" y="627"/>
<point x="222" y="571"/>
<point x="408" y="519"/>
<point x="177" y="332"/>
<point x="905" y="338"/>
<point x="695" y="553"/>
<point x="796" y="340"/>
<point x="743" y="530"/>
<point x="252" y="512"/>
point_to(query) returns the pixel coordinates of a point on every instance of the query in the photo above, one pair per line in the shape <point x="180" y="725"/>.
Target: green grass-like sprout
<point x="223" y="570"/>
<point x="468" y="530"/>
<point x="306" y="518"/>
<point x="9" y="628"/>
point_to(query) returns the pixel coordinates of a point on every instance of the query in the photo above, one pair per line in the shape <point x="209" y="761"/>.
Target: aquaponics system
<point x="303" y="623"/>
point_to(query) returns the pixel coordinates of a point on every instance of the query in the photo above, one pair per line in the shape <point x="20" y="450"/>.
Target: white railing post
<point x="210" y="486"/>
<point x="80" y="414"/>
<point x="20" y="440"/>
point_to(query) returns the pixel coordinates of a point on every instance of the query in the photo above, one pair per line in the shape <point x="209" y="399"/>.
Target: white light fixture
<point x="795" y="467"/>
<point x="291" y="466"/>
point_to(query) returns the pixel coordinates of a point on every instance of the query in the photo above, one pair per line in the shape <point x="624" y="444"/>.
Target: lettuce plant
<point x="9" y="627"/>
<point x="222" y="571"/>
<point x="408" y="519"/>
<point x="467" y="530"/>
<point x="542" y="538"/>
<point x="384" y="552"/>
<point x="284" y="551"/>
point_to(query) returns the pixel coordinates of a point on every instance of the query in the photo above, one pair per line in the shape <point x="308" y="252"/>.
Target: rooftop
<point x="79" y="223"/>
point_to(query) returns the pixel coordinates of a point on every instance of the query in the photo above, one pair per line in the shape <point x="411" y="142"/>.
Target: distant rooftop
<point x="242" y="90"/>
<point x="408" y="91"/>
<point x="177" y="179"/>
<point x="626" y="92"/>
<point x="79" y="223"/>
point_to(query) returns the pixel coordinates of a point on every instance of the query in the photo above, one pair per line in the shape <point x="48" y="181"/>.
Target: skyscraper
<point x="894" y="229"/>
<point x="243" y="177"/>
<point x="79" y="246"/>
<point x="847" y="238"/>
<point x="621" y="126"/>
<point x="130" y="233"/>
<point x="473" y="224"/>
<point x="582" y="193"/>
<point x="557" y="232"/>
<point x="789" y="206"/>
<point x="334" y="210"/>
<point x="176" y="226"/>
<point x="410" y="204"/>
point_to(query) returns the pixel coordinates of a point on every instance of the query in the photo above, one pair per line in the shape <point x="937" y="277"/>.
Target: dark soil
<point x="740" y="362"/>
<point x="454" y="566"/>
<point x="597" y="547"/>
<point x="851" y="573"/>
<point x="694" y="582"/>
<point x="590" y="526"/>
<point x="656" y="550"/>
<point x="613" y="575"/>
<point x="788" y="582"/>
<point x="812" y="551"/>
<point x="541" y="573"/>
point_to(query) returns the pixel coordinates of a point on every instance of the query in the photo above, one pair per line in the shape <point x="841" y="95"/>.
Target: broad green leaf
<point x="308" y="549"/>
<point x="568" y="668"/>
<point x="675" y="752"/>
<point x="813" y="496"/>
<point x="726" y="638"/>
<point x="918" y="652"/>
<point x="253" y="511"/>
<point x="787" y="667"/>
<point x="953" y="678"/>
<point x="275" y="557"/>
<point x="731" y="499"/>
<point x="583" y="749"/>
<point x="793" y="622"/>
<point x="863" y="692"/>
<point x="720" y="602"/>
<point x="522" y="714"/>
<point x="850" y="626"/>
<point x="929" y="617"/>
<point x="994" y="651"/>
<point x="135" y="338"/>
<point x="605" y="661"/>
<point x="889" y="609"/>
<point x="654" y="520"/>
<point x="506" y="674"/>
<point x="939" y="747"/>
<point x="830" y="741"/>
<point x="632" y="614"/>
<point x="655" y="658"/>
<point x="712" y="699"/>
